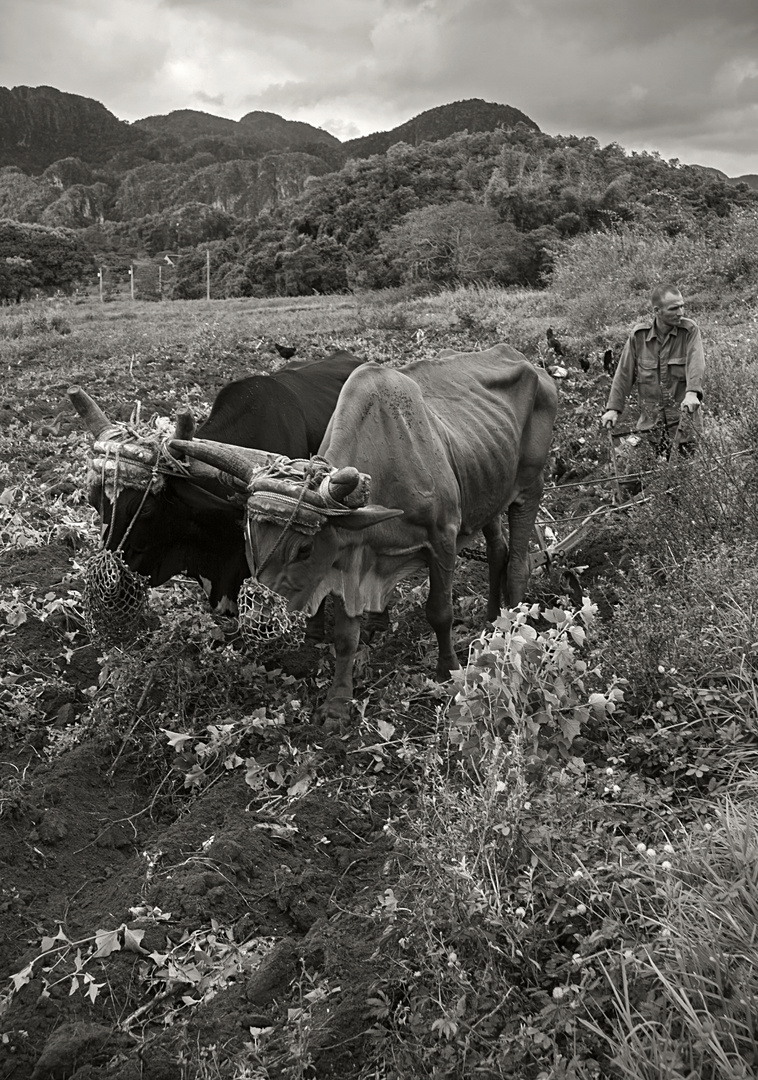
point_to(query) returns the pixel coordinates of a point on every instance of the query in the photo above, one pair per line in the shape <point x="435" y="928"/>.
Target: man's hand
<point x="691" y="402"/>
<point x="608" y="419"/>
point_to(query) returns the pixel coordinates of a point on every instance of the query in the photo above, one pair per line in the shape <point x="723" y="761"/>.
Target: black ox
<point x="187" y="525"/>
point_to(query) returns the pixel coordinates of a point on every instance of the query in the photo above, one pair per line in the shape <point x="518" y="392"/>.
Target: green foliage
<point x="607" y="276"/>
<point x="277" y="764"/>
<point x="685" y="615"/>
<point x="175" y="980"/>
<point x="685" y="1003"/>
<point x="520" y="874"/>
<point x="530" y="681"/>
<point x="455" y="243"/>
<point x="431" y="211"/>
<point x="492" y="204"/>
<point x="37" y="259"/>
<point x="29" y="324"/>
<point x="22" y="197"/>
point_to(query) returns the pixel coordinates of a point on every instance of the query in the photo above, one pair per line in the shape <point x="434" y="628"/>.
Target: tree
<point x="35" y="258"/>
<point x="456" y="242"/>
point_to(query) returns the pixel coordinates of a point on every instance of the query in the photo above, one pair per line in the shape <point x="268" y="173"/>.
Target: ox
<point x="186" y="524"/>
<point x="449" y="445"/>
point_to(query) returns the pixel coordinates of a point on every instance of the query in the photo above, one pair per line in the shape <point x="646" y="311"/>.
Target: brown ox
<point x="449" y="445"/>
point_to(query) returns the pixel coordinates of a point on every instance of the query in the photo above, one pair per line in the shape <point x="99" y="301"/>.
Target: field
<point x="196" y="880"/>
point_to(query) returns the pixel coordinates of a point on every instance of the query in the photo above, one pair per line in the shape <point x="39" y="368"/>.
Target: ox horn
<point x="240" y="461"/>
<point x="184" y="424"/>
<point x="343" y="482"/>
<point x="90" y="412"/>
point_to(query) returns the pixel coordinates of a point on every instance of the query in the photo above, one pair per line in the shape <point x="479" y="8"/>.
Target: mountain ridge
<point x="471" y="114"/>
<point x="40" y="126"/>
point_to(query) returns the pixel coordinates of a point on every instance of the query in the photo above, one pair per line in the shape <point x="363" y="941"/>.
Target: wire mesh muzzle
<point x="264" y="619"/>
<point x="114" y="600"/>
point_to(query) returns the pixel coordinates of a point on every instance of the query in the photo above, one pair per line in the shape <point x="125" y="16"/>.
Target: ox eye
<point x="304" y="551"/>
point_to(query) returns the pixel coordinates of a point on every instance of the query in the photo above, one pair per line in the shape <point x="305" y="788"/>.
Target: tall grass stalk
<point x="686" y="1005"/>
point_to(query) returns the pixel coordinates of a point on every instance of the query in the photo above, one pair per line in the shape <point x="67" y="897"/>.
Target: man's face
<point x="670" y="311"/>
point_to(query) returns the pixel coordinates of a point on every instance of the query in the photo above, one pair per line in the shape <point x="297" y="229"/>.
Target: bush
<point x="33" y="258"/>
<point x="484" y="924"/>
<point x="33" y="322"/>
<point x="606" y="277"/>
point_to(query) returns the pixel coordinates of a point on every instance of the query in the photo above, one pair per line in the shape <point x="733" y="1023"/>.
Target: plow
<point x="548" y="546"/>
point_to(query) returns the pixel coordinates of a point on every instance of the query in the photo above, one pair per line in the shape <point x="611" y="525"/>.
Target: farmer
<point x="664" y="356"/>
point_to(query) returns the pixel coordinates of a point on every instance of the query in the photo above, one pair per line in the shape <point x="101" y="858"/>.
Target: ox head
<point x="299" y="519"/>
<point x="163" y="522"/>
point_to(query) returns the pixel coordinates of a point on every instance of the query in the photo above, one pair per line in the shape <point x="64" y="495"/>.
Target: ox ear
<point x="184" y="424"/>
<point x="365" y="517"/>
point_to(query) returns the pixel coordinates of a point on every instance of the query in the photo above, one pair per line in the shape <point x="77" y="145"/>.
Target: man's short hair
<point x="663" y="290"/>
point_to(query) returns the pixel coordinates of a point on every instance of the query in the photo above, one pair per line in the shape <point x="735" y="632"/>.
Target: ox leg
<point x="439" y="612"/>
<point x="374" y="622"/>
<point x="521" y="518"/>
<point x="315" y="626"/>
<point x="347" y="629"/>
<point x="497" y="558"/>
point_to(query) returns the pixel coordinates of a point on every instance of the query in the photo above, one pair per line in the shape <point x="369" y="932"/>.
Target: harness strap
<point x="280" y="537"/>
<point x="153" y="477"/>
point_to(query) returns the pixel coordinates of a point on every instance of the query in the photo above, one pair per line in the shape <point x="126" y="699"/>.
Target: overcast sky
<point x="676" y="76"/>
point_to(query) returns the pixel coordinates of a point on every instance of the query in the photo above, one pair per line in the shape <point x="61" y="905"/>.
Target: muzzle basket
<point x="264" y="619"/>
<point x="115" y="600"/>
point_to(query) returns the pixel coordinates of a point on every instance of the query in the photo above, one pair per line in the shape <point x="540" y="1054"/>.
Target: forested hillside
<point x="491" y="206"/>
<point x="467" y="192"/>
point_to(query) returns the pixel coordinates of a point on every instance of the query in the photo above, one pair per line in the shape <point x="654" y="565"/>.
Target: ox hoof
<point x="334" y="715"/>
<point x="444" y="671"/>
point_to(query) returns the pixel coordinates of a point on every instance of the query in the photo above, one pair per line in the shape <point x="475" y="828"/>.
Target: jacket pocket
<point x="647" y="378"/>
<point x="677" y="373"/>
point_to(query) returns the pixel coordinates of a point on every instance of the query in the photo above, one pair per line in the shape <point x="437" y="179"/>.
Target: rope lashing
<point x="292" y="494"/>
<point x="297" y="494"/>
<point x="134" y="461"/>
<point x="115" y="598"/>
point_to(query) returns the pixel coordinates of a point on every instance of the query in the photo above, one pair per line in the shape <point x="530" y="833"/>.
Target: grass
<point x="554" y="909"/>
<point x="685" y="1003"/>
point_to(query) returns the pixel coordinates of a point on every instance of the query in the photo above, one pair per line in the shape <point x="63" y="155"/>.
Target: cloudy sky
<point x="676" y="76"/>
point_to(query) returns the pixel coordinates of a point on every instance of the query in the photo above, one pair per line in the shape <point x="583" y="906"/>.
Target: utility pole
<point x="131" y="280"/>
<point x="100" y="279"/>
<point x="208" y="275"/>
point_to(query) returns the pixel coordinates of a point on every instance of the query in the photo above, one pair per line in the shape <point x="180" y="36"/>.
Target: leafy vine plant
<point x="193" y="970"/>
<point x="528" y="677"/>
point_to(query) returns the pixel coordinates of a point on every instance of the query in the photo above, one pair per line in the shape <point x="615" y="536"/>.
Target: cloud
<point x="75" y="48"/>
<point x="210" y="99"/>
<point x="678" y="75"/>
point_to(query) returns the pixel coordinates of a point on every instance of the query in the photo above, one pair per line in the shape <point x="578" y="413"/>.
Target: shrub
<point x="484" y="922"/>
<point x="33" y="322"/>
<point x="606" y="277"/>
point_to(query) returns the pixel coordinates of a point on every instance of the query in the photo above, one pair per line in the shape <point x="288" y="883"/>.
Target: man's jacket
<point x="664" y="372"/>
